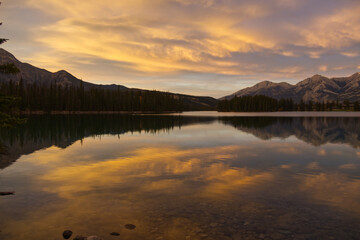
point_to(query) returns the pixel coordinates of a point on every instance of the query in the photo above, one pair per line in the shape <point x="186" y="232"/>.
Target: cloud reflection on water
<point x="191" y="176"/>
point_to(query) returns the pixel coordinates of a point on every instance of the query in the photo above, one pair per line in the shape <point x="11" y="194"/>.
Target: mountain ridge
<point x="31" y="74"/>
<point x="317" y="88"/>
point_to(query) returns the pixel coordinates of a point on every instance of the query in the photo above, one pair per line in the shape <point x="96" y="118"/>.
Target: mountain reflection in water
<point x="63" y="130"/>
<point x="178" y="177"/>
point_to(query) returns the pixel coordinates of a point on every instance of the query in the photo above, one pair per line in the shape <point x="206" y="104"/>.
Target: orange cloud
<point x="143" y="163"/>
<point x="183" y="42"/>
<point x="334" y="30"/>
<point x="163" y="43"/>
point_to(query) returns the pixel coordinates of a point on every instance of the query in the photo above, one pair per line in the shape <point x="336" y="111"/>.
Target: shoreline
<point x="201" y="113"/>
<point x="91" y="112"/>
<point x="274" y="114"/>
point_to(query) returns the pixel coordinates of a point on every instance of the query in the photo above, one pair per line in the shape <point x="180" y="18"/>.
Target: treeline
<point x="55" y="97"/>
<point x="59" y="129"/>
<point x="261" y="103"/>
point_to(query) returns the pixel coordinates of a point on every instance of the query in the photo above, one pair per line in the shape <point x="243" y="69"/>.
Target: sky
<point x="200" y="47"/>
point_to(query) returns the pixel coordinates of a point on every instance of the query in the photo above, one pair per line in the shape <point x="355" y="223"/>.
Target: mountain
<point x="31" y="74"/>
<point x="316" y="88"/>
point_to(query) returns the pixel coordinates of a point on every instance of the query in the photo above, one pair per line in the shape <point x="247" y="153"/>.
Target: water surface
<point x="213" y="176"/>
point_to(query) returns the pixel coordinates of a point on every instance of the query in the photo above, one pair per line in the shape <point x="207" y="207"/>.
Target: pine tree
<point x="2" y="40"/>
<point x="7" y="103"/>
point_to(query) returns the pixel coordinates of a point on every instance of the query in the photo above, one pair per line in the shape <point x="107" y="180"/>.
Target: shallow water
<point x="213" y="176"/>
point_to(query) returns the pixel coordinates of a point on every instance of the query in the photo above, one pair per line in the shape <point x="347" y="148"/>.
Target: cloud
<point x="323" y="68"/>
<point x="200" y="46"/>
<point x="350" y="54"/>
<point x="161" y="39"/>
<point x="336" y="30"/>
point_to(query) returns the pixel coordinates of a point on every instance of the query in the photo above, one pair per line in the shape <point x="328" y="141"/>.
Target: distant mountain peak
<point x="6" y="57"/>
<point x="4" y="52"/>
<point x="62" y="72"/>
<point x="318" y="76"/>
<point x="31" y="74"/>
<point x="264" y="84"/>
<point x="317" y="88"/>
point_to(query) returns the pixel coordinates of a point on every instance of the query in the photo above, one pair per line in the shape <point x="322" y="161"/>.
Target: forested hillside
<point x="41" y="90"/>
<point x="35" y="97"/>
<point x="261" y="103"/>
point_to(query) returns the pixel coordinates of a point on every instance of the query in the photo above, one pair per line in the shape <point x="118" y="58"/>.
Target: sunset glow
<point x="205" y="47"/>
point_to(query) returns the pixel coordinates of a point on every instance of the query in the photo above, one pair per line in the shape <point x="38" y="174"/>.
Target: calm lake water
<point x="213" y="176"/>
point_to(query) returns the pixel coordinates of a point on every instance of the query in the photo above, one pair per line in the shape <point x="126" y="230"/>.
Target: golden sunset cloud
<point x="182" y="42"/>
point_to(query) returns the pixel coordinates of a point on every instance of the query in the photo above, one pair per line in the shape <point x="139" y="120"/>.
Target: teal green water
<point x="181" y="177"/>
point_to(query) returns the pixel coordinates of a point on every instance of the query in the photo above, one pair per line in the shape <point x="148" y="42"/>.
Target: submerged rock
<point x="67" y="234"/>
<point x="6" y="193"/>
<point x="130" y="226"/>
<point x="115" y="234"/>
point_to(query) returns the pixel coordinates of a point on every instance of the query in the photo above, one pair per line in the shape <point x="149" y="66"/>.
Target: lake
<point x="189" y="176"/>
